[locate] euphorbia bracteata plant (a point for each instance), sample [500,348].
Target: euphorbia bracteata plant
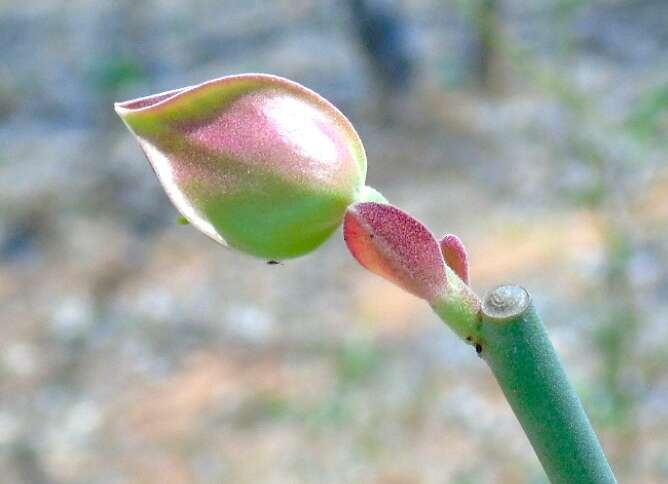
[269,167]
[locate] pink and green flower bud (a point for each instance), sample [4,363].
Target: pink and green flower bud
[398,247]
[256,162]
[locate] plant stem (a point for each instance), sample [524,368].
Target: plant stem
[515,345]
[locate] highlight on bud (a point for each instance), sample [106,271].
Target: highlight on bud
[455,256]
[396,246]
[254,161]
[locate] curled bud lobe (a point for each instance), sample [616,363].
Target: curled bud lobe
[396,246]
[255,161]
[455,256]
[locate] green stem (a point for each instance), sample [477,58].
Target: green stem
[458,307]
[515,345]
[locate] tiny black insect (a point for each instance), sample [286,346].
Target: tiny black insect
[273,262]
[478,348]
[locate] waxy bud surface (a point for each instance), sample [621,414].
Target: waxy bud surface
[256,162]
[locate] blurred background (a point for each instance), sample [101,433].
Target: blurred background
[135,350]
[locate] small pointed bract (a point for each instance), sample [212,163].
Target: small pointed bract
[396,246]
[455,256]
[255,161]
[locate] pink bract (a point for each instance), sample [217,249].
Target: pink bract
[455,256]
[396,246]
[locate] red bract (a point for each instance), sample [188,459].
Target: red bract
[396,246]
[455,256]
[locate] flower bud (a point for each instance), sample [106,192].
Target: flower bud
[256,162]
